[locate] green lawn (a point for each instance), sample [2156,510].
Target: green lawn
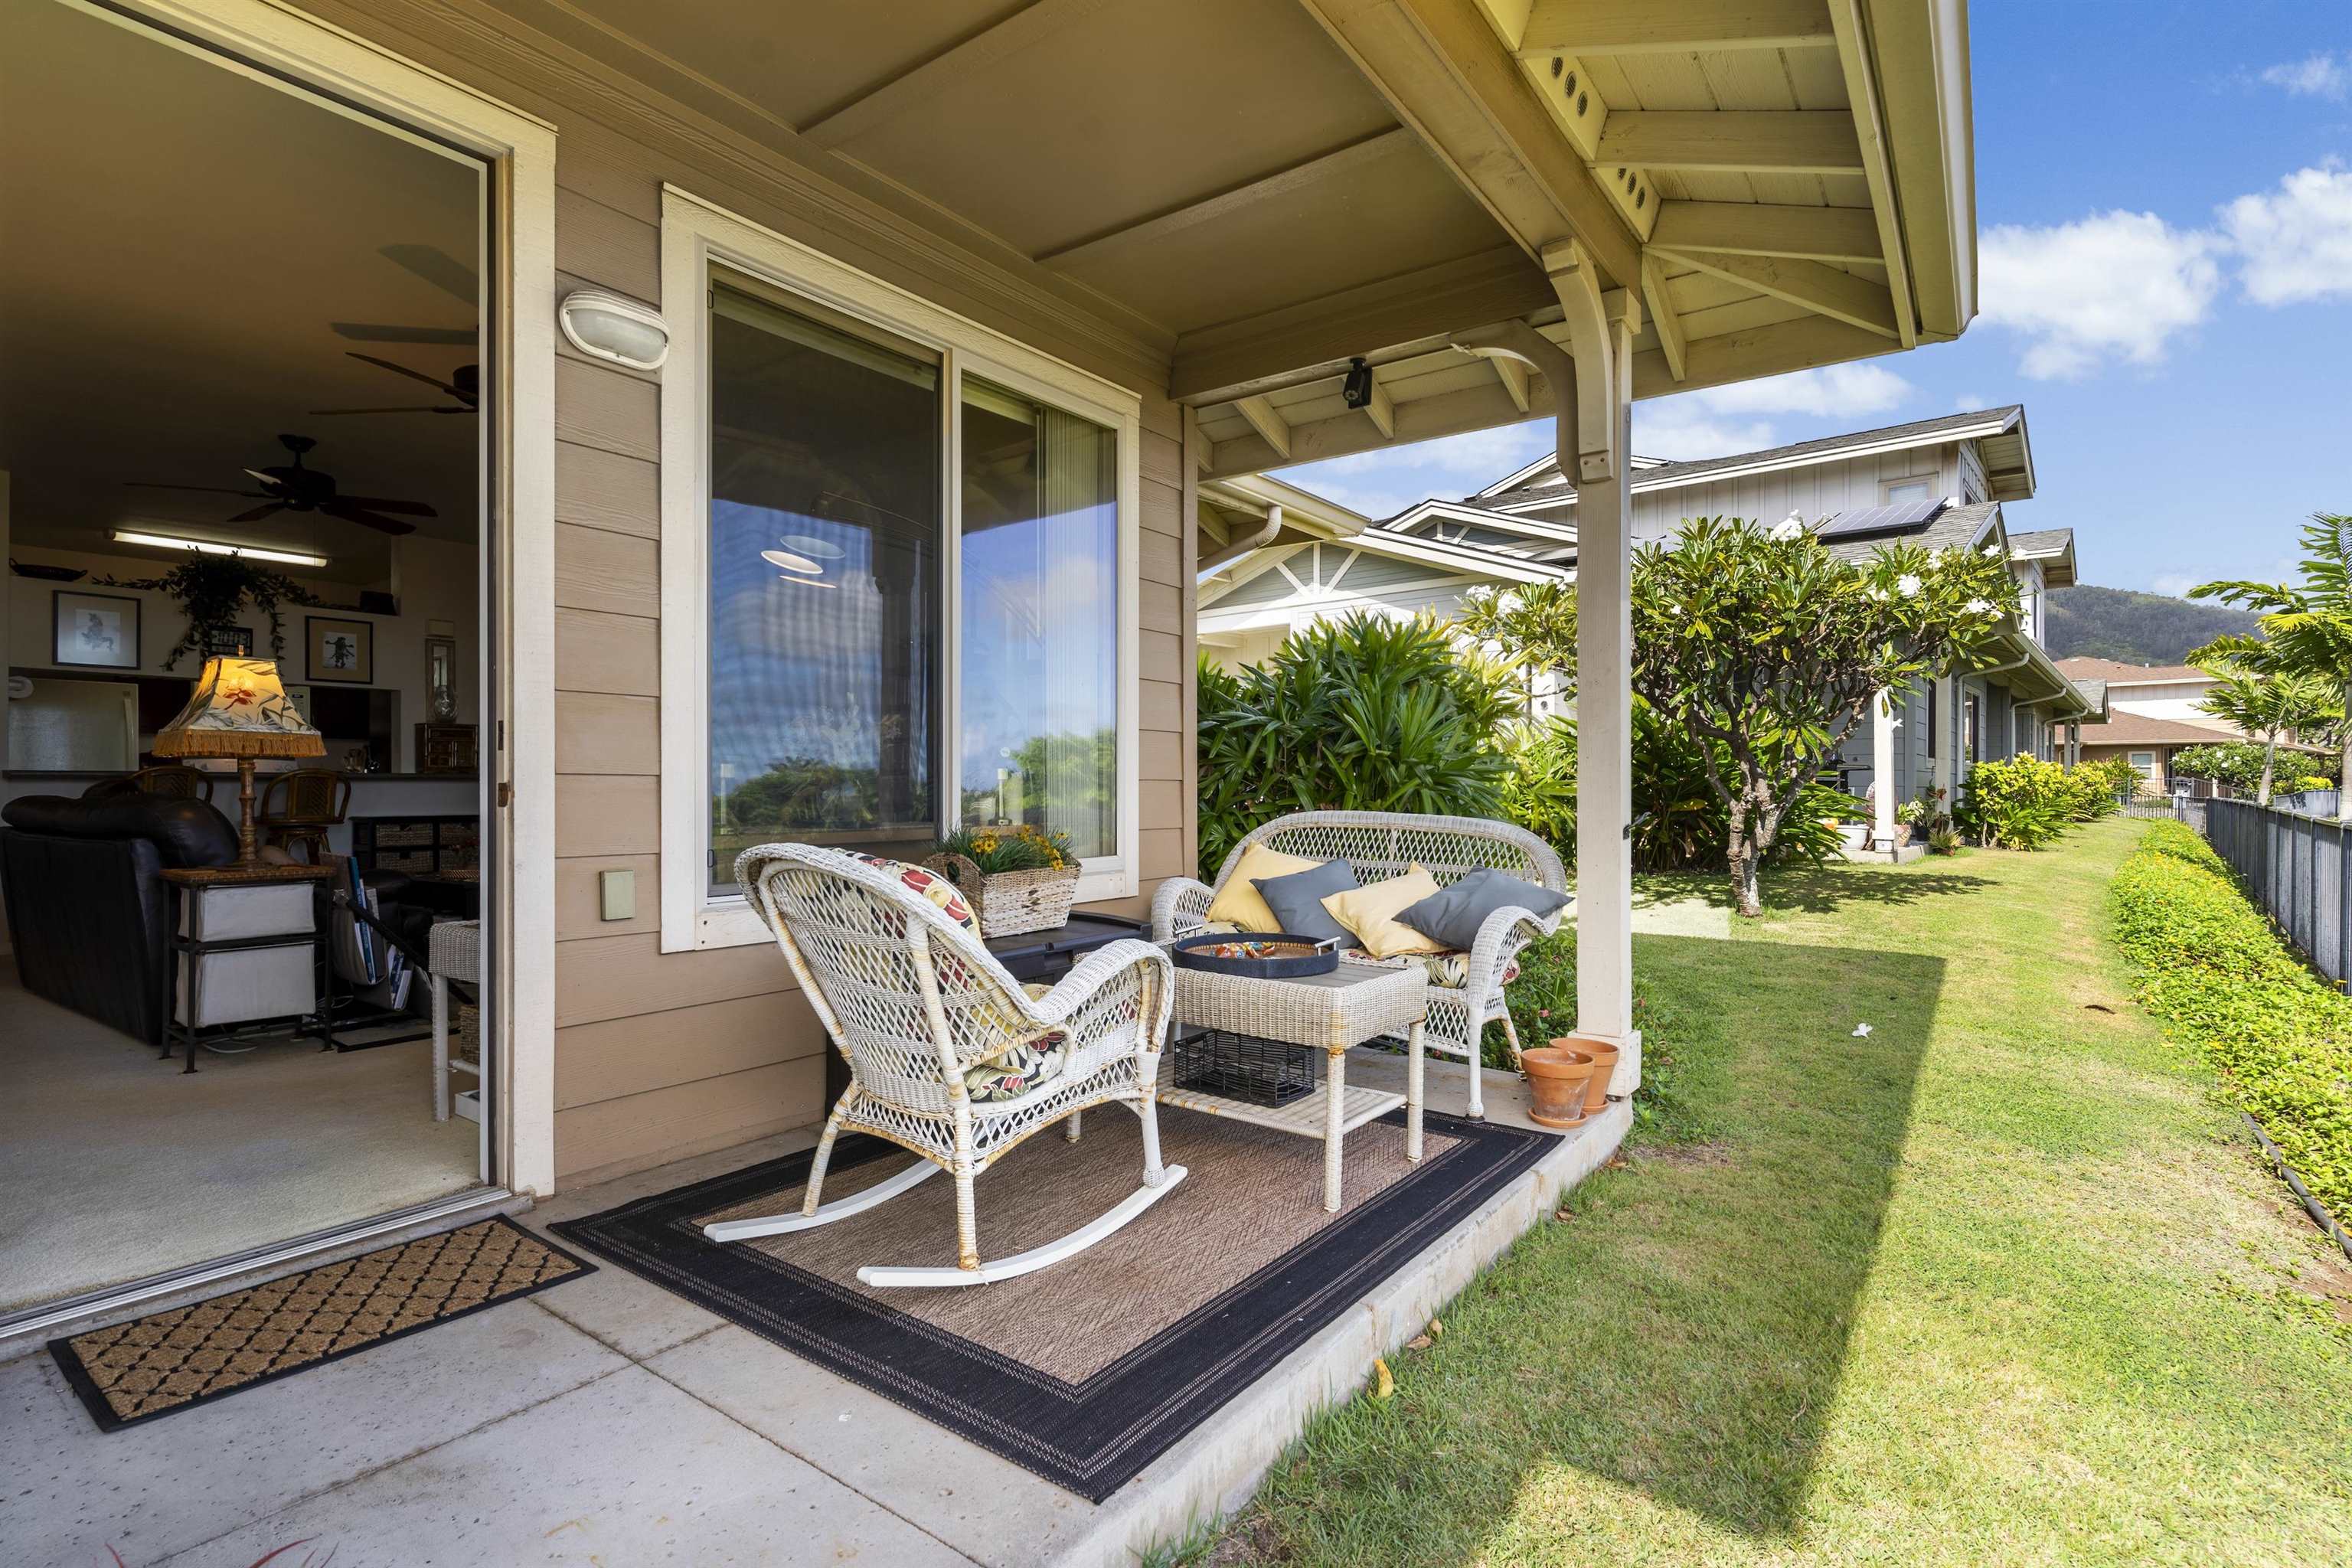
[1997,1284]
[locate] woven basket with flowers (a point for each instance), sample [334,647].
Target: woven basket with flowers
[1018,879]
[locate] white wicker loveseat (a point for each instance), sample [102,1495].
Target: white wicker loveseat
[949,1056]
[1466,990]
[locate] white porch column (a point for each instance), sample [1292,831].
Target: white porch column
[1601,333]
[1882,771]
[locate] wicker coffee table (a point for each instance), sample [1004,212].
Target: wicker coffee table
[1330,1013]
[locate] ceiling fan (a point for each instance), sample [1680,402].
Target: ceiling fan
[464,387]
[290,487]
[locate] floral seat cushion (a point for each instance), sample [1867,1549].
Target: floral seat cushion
[1449,970]
[926,884]
[1021,1067]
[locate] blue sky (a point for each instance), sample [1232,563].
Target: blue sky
[2165,215]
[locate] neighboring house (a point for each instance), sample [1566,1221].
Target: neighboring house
[2154,715]
[1939,482]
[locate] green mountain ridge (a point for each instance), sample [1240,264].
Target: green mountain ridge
[2135,627]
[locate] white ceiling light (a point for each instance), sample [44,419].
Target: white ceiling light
[609,327]
[214,547]
[788,562]
[814,548]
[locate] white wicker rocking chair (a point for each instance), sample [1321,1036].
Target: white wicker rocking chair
[1466,990]
[915,1004]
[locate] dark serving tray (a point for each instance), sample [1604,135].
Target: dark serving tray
[1200,953]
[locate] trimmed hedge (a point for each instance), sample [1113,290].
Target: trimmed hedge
[2212,970]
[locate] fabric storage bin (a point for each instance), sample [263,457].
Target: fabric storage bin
[229,914]
[250,982]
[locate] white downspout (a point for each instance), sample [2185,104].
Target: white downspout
[1234,549]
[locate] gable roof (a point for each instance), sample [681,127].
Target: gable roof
[2012,480]
[1952,527]
[2125,728]
[2053,547]
[2115,672]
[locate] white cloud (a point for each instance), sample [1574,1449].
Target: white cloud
[1836,391]
[1387,479]
[2295,242]
[2317,75]
[2174,583]
[2114,286]
[1679,429]
[1968,401]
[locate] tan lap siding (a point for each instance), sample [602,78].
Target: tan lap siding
[663,1055]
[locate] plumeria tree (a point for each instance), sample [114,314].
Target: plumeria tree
[1533,625]
[2263,698]
[2307,625]
[1769,648]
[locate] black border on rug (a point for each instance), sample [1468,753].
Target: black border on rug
[1090,1437]
[93,1398]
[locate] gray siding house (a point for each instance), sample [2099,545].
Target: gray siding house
[1942,482]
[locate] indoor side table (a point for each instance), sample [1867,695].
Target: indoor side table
[245,943]
[1353,1003]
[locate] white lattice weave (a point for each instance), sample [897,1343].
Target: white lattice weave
[912,1000]
[1379,844]
[1327,1012]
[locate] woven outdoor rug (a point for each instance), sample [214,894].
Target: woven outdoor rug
[174,1361]
[1086,1370]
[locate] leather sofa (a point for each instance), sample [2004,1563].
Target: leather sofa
[88,911]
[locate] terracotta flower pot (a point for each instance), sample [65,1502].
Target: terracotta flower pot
[1604,1064]
[1556,1082]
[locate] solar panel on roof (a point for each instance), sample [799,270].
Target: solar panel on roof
[1895,519]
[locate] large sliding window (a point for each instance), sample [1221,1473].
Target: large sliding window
[899,578]
[824,584]
[1040,618]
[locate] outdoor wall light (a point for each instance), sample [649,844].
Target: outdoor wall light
[609,327]
[1356,392]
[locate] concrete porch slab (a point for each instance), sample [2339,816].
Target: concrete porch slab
[609,1420]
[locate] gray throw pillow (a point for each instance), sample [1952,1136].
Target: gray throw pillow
[1297,900]
[1454,914]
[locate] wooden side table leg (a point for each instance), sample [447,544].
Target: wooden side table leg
[1413,1095]
[1334,1107]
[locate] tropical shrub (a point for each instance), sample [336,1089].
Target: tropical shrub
[2212,970]
[1680,824]
[2020,802]
[1364,714]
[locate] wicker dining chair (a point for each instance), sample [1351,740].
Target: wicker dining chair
[1466,990]
[950,1057]
[300,806]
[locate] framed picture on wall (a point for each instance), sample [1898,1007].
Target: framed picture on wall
[97,630]
[232,641]
[340,649]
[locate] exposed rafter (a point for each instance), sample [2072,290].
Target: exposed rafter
[1513,373]
[1664,318]
[1746,228]
[1382,410]
[1649,27]
[1862,91]
[1840,296]
[1273,188]
[886,100]
[1269,425]
[1739,142]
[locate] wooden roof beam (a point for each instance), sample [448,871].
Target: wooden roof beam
[1654,27]
[1840,295]
[1269,425]
[886,100]
[1277,186]
[1449,78]
[1750,229]
[1391,319]
[1666,322]
[1733,142]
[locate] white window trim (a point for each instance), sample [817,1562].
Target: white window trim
[1887,487]
[694,235]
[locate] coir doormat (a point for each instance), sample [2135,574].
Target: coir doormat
[174,1361]
[1086,1370]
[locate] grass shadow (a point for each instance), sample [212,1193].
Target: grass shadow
[1683,1330]
[1810,889]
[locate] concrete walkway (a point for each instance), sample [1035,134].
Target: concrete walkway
[607,1421]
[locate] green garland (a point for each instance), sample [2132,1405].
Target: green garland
[212,589]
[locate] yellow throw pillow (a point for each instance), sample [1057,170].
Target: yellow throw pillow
[1238,905]
[1371,913]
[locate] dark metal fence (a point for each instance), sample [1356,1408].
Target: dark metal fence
[2299,866]
[2171,808]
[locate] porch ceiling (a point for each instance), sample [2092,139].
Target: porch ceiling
[1271,189]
